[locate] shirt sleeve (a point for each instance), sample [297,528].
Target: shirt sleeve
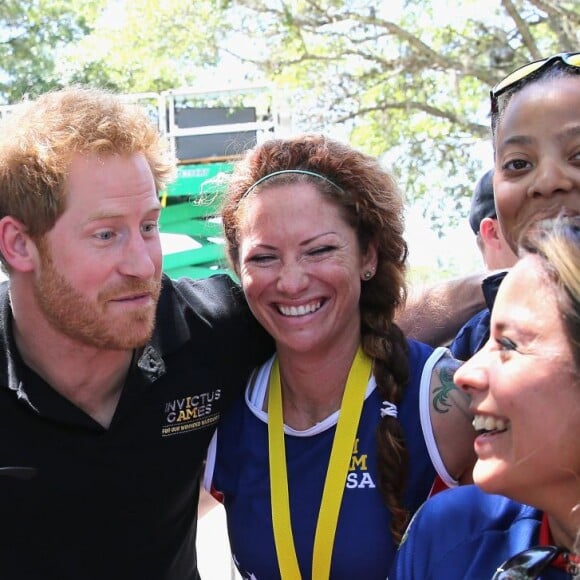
[425,416]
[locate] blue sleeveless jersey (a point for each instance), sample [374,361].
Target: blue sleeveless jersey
[465,533]
[363,545]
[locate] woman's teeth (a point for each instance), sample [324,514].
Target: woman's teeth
[487,423]
[299,310]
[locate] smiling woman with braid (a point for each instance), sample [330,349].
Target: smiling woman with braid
[340,435]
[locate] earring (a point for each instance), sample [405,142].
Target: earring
[367,275]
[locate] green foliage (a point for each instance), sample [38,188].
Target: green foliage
[411,84]
[31,33]
[145,45]
[406,80]
[128,46]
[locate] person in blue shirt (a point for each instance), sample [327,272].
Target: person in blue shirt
[340,435]
[525,390]
[524,515]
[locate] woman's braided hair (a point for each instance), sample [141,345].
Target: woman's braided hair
[372,204]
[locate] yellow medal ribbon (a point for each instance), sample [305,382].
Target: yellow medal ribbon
[338,466]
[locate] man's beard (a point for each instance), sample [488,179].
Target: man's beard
[87,322]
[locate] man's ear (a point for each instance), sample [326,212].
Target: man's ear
[489,231]
[16,245]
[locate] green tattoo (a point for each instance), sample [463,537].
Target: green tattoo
[441,402]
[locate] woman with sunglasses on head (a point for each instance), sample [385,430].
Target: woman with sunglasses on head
[341,434]
[525,383]
[537,126]
[535,119]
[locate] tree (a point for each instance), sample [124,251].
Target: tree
[31,33]
[406,80]
[412,83]
[147,45]
[127,46]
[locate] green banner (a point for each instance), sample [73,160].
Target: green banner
[196,178]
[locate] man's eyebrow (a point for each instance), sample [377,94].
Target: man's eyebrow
[103,215]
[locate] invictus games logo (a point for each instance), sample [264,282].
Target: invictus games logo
[189,413]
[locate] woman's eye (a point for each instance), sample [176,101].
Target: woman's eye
[321,250]
[261,258]
[516,165]
[506,343]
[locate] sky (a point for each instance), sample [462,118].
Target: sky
[426,249]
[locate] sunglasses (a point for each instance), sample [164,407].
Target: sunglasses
[571,59]
[528,564]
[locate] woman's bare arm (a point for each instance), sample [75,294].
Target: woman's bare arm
[451,421]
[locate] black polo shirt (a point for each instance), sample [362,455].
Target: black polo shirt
[95,503]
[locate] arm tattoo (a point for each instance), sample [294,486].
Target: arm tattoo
[441,402]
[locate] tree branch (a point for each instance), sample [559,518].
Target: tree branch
[555,9]
[523,29]
[475,128]
[563,22]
